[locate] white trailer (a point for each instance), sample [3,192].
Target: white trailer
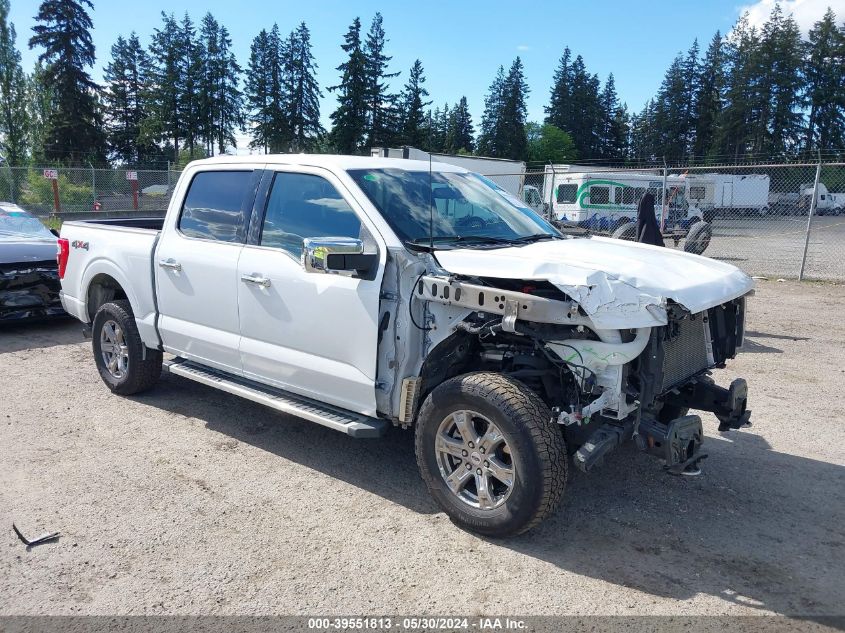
[725,194]
[507,174]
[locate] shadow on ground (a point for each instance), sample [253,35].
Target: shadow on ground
[759,528]
[15,337]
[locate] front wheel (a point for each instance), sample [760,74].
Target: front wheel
[490,454]
[125,364]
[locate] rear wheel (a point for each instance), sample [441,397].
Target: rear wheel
[125,364]
[490,455]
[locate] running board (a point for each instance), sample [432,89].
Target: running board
[353,424]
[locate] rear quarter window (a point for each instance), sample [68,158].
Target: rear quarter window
[217,205]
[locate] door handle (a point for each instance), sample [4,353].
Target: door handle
[170,263]
[257,280]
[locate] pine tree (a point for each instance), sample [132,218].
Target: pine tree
[126,77]
[225,99]
[711,82]
[190,82]
[258,91]
[166,90]
[304,92]
[513,139]
[381,104]
[413,105]
[350,118]
[824,69]
[279,132]
[780,126]
[14,117]
[40,105]
[559,110]
[585,124]
[74,130]
[493,103]
[691,70]
[735,132]
[460,135]
[671,118]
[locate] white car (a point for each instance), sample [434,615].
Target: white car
[362,293]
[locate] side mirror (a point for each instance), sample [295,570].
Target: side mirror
[336,255]
[54,232]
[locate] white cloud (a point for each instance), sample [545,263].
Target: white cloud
[523,47]
[805,12]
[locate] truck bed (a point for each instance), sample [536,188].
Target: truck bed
[129,223]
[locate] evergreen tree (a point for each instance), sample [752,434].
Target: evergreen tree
[559,110]
[126,76]
[708,101]
[460,135]
[734,136]
[280,133]
[671,119]
[413,105]
[824,90]
[691,70]
[258,91]
[304,92]
[488,141]
[513,139]
[350,118]
[381,104]
[585,124]
[223,102]
[74,130]
[14,117]
[781,124]
[191,74]
[165,94]
[40,105]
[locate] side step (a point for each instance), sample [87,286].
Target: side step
[354,424]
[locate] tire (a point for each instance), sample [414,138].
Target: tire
[527,447]
[137,367]
[698,238]
[626,231]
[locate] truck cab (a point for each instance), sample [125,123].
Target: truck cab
[366,293]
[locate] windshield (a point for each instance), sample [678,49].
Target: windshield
[17,224]
[454,207]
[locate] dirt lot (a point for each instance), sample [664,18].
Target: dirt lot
[188,501]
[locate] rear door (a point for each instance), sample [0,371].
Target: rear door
[196,265]
[310,333]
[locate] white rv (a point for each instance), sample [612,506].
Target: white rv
[604,200]
[728,194]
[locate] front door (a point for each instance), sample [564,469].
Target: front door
[196,268]
[310,333]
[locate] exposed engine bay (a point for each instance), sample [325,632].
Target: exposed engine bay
[604,386]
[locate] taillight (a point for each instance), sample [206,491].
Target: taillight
[62,255]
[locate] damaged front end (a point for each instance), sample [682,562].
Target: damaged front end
[605,385]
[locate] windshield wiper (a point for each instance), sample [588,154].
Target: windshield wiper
[454,239]
[535,237]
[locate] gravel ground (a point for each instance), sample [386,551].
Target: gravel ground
[188,501]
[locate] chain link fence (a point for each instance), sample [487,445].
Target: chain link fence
[771,220]
[46,191]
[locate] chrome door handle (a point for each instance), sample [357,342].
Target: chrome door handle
[170,263]
[255,279]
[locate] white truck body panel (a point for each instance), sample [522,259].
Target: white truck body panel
[749,192]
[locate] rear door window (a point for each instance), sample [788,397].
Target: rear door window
[217,205]
[566,194]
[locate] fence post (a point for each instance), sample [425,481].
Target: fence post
[550,212]
[810,220]
[93,185]
[168,175]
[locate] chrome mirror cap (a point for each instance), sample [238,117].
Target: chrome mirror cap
[316,251]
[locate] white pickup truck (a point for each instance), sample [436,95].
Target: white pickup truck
[363,293]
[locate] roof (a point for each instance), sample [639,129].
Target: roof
[335,161]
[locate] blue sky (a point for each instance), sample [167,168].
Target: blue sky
[461,44]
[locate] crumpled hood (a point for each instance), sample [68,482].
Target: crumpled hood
[613,280]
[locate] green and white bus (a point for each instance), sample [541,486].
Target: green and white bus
[603,201]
